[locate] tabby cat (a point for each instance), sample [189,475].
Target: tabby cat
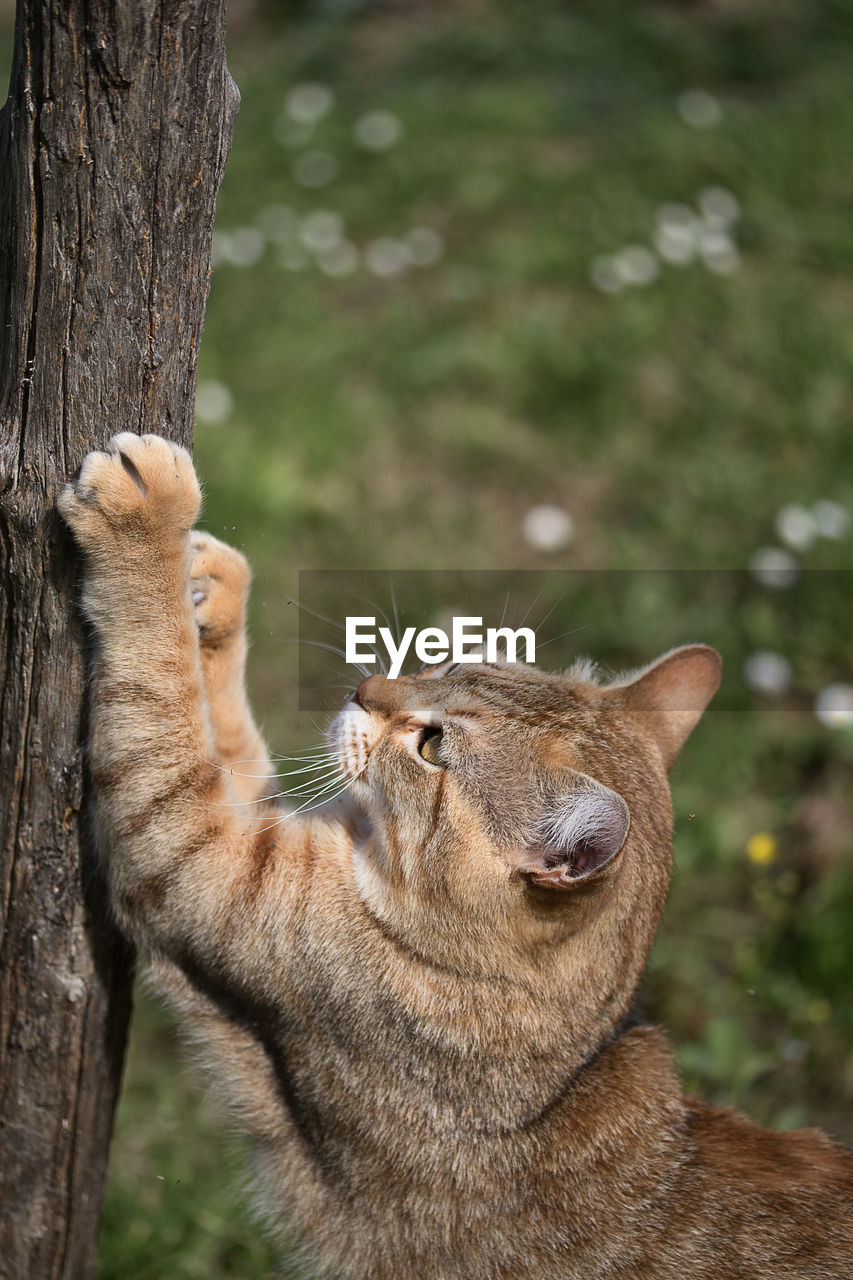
[420,996]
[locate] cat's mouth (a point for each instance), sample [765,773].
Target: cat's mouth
[350,738]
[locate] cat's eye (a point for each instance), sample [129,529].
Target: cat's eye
[429,747]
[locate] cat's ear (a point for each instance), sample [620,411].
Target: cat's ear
[670,695]
[579,835]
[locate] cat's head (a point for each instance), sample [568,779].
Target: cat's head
[517,801]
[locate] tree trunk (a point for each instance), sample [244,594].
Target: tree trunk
[112,146]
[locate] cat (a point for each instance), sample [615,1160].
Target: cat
[420,996]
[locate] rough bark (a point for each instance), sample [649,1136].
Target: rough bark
[112,146]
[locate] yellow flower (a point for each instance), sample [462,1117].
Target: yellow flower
[818,1010]
[762,848]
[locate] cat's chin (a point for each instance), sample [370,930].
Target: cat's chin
[358,821]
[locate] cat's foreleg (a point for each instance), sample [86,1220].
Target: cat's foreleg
[219,580]
[184,869]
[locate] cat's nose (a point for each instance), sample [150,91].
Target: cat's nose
[369,692]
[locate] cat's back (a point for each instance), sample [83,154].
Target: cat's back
[756,1204]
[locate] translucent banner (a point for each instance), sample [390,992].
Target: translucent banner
[785,639]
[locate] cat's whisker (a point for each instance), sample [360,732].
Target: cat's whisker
[227,768]
[572,632]
[373,647]
[257,760]
[340,626]
[310,789]
[309,767]
[316,767]
[305,767]
[349,687]
[360,667]
[342,780]
[312,759]
[303,789]
[333,769]
[330,779]
[331,671]
[308,806]
[378,610]
[555,605]
[321,800]
[320,749]
[397,631]
[335,649]
[306,788]
[304,608]
[323,644]
[530,607]
[383,666]
[303,782]
[314,802]
[317,726]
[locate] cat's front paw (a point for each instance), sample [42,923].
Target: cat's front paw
[219,579]
[142,487]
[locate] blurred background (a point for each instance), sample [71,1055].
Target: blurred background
[553,286]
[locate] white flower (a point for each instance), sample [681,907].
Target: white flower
[673,215]
[767,672]
[831,518]
[424,246]
[773,567]
[340,259]
[277,221]
[246,246]
[834,706]
[377,130]
[605,275]
[386,257]
[315,169]
[676,244]
[719,205]
[220,248]
[699,109]
[676,234]
[548,528]
[796,526]
[309,102]
[321,229]
[636,265]
[213,401]
[719,252]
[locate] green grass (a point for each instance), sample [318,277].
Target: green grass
[410,422]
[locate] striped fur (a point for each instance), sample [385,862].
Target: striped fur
[432,1048]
